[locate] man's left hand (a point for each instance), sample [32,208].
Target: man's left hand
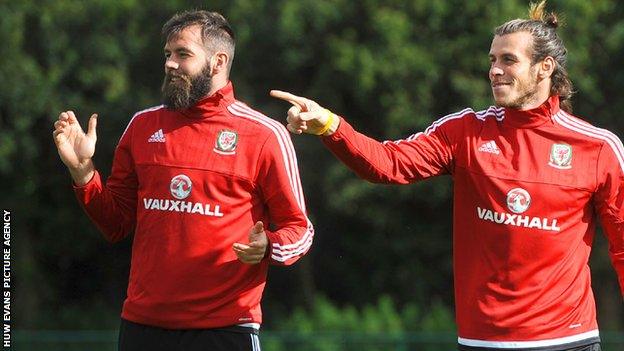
[253,252]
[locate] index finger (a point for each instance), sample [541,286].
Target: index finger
[240,247]
[293,99]
[256,245]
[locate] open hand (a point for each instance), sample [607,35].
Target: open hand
[75,147]
[253,252]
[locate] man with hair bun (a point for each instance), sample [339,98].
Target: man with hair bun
[212,191]
[530,183]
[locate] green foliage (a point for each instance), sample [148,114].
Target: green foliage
[327,327]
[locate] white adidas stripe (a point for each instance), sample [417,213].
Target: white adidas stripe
[286,248]
[290,160]
[572,123]
[255,342]
[282,253]
[497,112]
[291,250]
[284,141]
[441,121]
[137,114]
[283,256]
[491,111]
[617,146]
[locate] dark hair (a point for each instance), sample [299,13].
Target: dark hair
[543,28]
[217,35]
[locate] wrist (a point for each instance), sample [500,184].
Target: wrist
[333,126]
[82,174]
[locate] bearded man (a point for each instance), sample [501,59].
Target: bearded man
[199,179]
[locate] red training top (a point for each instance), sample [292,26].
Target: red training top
[528,189]
[192,183]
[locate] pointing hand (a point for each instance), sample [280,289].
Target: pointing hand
[306,116]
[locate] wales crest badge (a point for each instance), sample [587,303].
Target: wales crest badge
[226,142]
[561,156]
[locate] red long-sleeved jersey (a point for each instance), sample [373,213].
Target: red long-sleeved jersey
[528,188]
[192,183]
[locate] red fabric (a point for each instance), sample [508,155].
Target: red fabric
[527,277]
[184,273]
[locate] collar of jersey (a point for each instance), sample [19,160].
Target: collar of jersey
[213,104]
[534,117]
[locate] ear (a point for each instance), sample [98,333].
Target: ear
[546,67]
[219,63]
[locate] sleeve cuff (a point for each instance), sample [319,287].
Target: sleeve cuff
[94,179]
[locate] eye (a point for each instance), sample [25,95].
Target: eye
[509,59]
[167,54]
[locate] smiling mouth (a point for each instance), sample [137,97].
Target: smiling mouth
[499,84]
[176,78]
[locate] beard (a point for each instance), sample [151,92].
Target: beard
[525,92]
[186,90]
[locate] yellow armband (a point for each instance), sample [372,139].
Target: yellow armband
[330,121]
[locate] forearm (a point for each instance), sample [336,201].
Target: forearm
[113,213]
[367,157]
[333,127]
[404,161]
[83,174]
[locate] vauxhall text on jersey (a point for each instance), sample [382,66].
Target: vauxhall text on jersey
[529,187]
[192,183]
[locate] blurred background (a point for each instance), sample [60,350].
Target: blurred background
[379,275]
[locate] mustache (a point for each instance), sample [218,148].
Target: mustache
[184,77]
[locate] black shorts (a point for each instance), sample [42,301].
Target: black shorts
[592,347]
[139,337]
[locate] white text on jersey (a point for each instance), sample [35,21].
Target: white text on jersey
[518,220]
[182,206]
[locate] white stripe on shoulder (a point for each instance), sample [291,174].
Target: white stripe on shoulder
[290,160]
[570,122]
[282,253]
[492,111]
[155,108]
[452,116]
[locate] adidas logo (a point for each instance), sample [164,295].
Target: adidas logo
[157,137]
[490,147]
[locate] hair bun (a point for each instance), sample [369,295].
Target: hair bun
[551,20]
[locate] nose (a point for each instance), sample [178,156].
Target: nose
[171,64]
[495,71]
